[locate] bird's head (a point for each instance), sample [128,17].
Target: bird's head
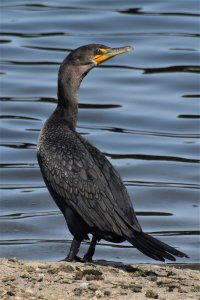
[89,56]
[78,63]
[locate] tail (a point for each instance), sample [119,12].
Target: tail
[154,248]
[149,245]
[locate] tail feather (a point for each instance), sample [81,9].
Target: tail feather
[149,245]
[154,248]
[146,251]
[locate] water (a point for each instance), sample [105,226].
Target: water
[141,109]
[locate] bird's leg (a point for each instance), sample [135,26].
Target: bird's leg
[89,254]
[73,251]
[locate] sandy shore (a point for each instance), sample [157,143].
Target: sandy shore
[61,280]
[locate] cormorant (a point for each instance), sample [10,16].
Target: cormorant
[83,183]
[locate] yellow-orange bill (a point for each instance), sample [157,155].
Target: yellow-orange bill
[106,54]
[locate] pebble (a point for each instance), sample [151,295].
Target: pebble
[99,294]
[40,277]
[69,268]
[84,285]
[151,294]
[107,292]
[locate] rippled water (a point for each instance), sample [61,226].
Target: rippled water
[141,109]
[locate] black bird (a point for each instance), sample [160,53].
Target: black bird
[83,183]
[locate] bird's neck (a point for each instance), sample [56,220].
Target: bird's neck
[68,87]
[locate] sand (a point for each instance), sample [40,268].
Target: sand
[62,280]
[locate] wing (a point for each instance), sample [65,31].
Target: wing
[73,175]
[115,183]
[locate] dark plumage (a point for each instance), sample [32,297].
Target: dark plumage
[85,186]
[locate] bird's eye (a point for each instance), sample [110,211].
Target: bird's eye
[98,52]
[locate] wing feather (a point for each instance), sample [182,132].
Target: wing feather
[115,183]
[70,170]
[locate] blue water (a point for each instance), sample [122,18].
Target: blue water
[141,109]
